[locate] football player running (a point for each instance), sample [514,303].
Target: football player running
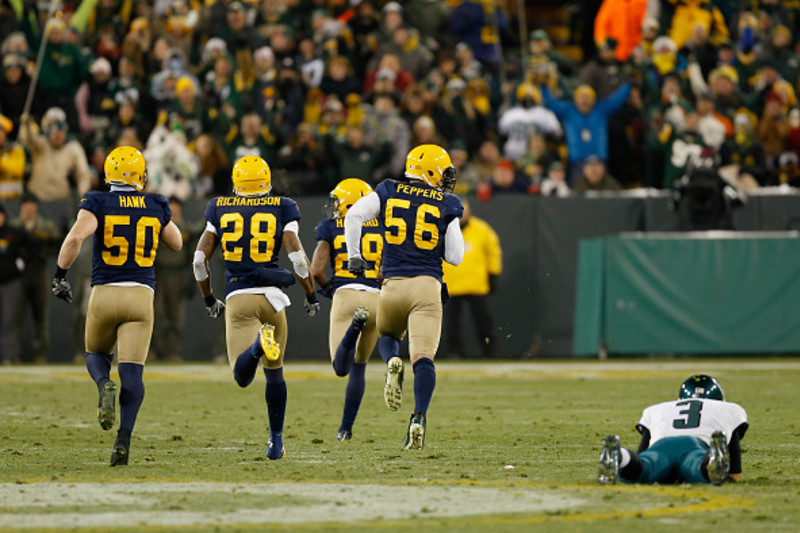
[695,439]
[127,225]
[250,227]
[421,221]
[352,331]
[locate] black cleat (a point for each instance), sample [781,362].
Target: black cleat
[719,459]
[415,436]
[608,467]
[121,451]
[106,404]
[344,434]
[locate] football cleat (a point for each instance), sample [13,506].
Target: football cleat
[121,451]
[608,467]
[270,347]
[393,389]
[415,436]
[360,316]
[275,449]
[719,460]
[106,404]
[344,434]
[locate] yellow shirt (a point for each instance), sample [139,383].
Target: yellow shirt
[482,257]
[12,169]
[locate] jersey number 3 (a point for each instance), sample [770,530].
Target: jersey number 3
[692,414]
[111,241]
[426,234]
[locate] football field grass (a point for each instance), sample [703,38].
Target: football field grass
[511,446]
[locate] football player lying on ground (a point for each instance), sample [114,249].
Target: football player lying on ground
[126,224]
[695,439]
[352,331]
[250,227]
[421,221]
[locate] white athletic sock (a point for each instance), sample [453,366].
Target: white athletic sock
[624,457]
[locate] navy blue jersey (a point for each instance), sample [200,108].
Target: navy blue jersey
[129,225]
[250,232]
[331,230]
[415,217]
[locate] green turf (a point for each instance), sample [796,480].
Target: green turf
[546,420]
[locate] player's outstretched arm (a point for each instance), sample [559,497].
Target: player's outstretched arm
[365,209]
[322,254]
[85,225]
[171,236]
[202,274]
[294,248]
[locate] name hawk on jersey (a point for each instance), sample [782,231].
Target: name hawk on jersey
[132,201]
[419,191]
[371,224]
[238,201]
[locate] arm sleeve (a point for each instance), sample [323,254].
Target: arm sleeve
[453,243]
[735,451]
[645,442]
[616,100]
[362,211]
[556,106]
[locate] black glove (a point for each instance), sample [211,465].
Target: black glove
[311,304]
[213,306]
[356,265]
[60,285]
[62,289]
[326,290]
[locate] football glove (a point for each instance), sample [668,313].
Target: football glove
[213,306]
[311,304]
[62,289]
[356,265]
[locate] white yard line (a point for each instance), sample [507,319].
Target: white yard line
[35,505]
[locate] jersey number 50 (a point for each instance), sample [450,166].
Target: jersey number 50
[262,230]
[426,234]
[122,245]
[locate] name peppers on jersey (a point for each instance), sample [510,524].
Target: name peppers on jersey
[415,217]
[126,240]
[331,230]
[250,232]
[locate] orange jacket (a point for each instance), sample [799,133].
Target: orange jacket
[621,20]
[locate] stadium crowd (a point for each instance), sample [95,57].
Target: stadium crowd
[329,89]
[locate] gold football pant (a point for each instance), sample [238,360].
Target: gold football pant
[121,316]
[244,315]
[344,304]
[414,304]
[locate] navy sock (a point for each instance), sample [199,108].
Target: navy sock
[388,347]
[346,352]
[244,370]
[131,395]
[99,367]
[275,395]
[353,395]
[424,383]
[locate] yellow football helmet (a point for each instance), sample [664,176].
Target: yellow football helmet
[125,166]
[431,164]
[251,176]
[346,193]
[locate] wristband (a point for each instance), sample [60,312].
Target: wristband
[209,300]
[61,273]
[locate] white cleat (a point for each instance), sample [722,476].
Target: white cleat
[393,389]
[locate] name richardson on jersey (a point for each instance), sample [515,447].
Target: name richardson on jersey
[370,224]
[132,201]
[236,201]
[418,191]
